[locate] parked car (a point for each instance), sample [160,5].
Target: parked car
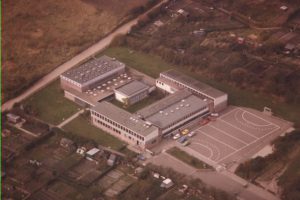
[191,134]
[214,114]
[185,143]
[185,131]
[182,139]
[175,137]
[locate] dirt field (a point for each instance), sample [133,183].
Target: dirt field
[38,36]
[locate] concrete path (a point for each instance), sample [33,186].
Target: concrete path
[224,180]
[83,56]
[26,131]
[70,118]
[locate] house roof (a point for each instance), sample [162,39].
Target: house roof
[124,118]
[132,88]
[290,46]
[93,151]
[93,69]
[176,111]
[192,83]
[163,103]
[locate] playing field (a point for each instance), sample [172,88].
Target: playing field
[236,135]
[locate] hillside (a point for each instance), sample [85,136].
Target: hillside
[39,35]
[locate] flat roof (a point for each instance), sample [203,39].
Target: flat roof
[93,151]
[124,118]
[132,88]
[92,69]
[195,84]
[175,110]
[163,103]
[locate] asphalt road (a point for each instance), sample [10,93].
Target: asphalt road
[221,180]
[102,44]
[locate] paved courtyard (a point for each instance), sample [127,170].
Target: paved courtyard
[235,136]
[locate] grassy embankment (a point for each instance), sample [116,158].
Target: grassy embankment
[50,105]
[185,157]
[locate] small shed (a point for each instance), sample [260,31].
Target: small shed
[112,160]
[183,12]
[67,144]
[167,183]
[13,118]
[158,23]
[284,8]
[81,150]
[92,152]
[200,32]
[289,48]
[139,170]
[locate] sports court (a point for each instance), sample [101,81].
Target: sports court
[237,134]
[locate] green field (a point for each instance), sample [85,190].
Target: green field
[50,105]
[185,157]
[152,65]
[153,97]
[81,126]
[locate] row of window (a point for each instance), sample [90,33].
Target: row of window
[159,82]
[71,81]
[108,126]
[187,87]
[187,116]
[118,126]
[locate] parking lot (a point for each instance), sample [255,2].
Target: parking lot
[236,135]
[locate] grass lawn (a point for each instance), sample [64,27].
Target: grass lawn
[81,126]
[185,157]
[50,104]
[153,97]
[152,65]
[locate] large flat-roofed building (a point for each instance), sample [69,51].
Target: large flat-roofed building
[132,92]
[172,81]
[124,125]
[174,111]
[91,73]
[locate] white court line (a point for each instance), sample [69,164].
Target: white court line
[228,113]
[218,140]
[224,132]
[206,147]
[239,129]
[202,157]
[248,125]
[252,123]
[212,147]
[270,123]
[259,117]
[248,144]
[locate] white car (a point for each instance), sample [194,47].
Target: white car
[175,137]
[214,114]
[191,134]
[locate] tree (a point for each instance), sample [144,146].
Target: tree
[238,75]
